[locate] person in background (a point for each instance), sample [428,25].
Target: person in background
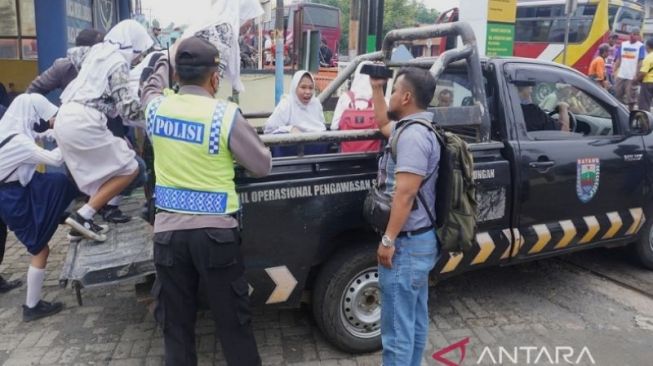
[628,61]
[268,48]
[31,203]
[445,98]
[326,55]
[156,33]
[609,59]
[645,77]
[4,97]
[597,67]
[12,93]
[535,117]
[65,69]
[102,165]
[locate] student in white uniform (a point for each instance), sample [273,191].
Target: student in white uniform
[102,165]
[32,203]
[299,111]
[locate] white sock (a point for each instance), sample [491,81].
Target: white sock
[34,286]
[86,212]
[115,201]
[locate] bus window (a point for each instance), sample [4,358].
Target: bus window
[628,20]
[321,17]
[532,30]
[612,12]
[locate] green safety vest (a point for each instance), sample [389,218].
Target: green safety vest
[193,164]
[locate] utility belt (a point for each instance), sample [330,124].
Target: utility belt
[423,230]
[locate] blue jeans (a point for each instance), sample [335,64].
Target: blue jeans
[404,299]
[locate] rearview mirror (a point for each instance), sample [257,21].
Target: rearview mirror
[640,122]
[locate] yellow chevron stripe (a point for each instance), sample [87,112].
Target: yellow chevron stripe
[593,228]
[637,214]
[642,222]
[543,238]
[486,243]
[615,225]
[519,242]
[452,263]
[570,232]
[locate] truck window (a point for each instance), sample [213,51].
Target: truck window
[540,103]
[453,90]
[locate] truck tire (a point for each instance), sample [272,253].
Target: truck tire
[347,300]
[644,245]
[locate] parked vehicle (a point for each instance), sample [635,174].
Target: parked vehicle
[541,194]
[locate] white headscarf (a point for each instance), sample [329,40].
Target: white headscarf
[122,44]
[362,90]
[291,112]
[23,113]
[221,27]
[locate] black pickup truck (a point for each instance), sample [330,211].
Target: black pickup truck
[541,193]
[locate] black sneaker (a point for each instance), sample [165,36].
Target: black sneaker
[86,227]
[41,310]
[6,286]
[113,214]
[75,236]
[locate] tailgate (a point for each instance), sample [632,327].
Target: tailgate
[126,255]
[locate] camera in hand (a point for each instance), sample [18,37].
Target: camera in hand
[376,71]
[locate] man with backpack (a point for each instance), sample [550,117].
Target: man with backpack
[408,172]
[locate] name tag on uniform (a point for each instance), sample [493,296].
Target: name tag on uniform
[176,129]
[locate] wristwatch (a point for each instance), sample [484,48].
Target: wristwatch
[387,242]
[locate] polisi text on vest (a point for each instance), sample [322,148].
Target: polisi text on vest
[192,132]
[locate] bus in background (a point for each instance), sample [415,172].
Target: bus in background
[540,28]
[305,17]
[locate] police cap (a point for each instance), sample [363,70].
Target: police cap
[195,51]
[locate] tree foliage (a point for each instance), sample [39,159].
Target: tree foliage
[396,14]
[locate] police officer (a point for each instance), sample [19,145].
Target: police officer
[196,139]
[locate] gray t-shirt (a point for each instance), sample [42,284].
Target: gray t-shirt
[418,152]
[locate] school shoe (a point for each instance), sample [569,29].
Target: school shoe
[113,214]
[87,228]
[41,310]
[6,286]
[75,236]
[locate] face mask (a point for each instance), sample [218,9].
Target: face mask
[41,126]
[525,101]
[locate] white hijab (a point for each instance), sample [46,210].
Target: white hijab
[23,113]
[221,27]
[121,45]
[362,90]
[291,112]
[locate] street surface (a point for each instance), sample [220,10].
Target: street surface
[600,300]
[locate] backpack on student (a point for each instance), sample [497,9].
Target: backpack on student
[358,119]
[455,192]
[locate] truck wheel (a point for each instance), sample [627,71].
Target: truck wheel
[644,246]
[347,300]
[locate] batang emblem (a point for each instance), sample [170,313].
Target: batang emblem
[588,172]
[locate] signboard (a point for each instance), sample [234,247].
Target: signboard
[79,16]
[503,11]
[500,39]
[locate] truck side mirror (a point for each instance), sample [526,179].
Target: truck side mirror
[640,122]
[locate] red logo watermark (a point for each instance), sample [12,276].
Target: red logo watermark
[461,345]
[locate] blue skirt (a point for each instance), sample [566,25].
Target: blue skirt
[34,212]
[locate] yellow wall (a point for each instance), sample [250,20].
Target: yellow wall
[21,73]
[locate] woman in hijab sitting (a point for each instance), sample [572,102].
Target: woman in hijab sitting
[32,203]
[102,165]
[299,111]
